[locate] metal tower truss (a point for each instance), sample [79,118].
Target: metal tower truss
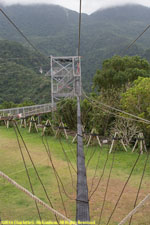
[65,77]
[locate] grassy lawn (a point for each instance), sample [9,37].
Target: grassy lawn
[14,205]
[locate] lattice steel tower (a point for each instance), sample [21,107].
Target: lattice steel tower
[65,77]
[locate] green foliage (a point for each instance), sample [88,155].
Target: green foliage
[136,100]
[26,103]
[123,81]
[86,114]
[119,72]
[20,80]
[7,105]
[92,116]
[66,112]
[15,52]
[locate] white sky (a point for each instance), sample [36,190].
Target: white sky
[88,5]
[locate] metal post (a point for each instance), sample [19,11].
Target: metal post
[74,92]
[80,81]
[52,88]
[52,96]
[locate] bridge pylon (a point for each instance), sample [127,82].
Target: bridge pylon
[65,77]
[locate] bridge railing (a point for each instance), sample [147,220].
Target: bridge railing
[27,110]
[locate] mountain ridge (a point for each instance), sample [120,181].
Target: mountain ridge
[5,5]
[120,6]
[54,31]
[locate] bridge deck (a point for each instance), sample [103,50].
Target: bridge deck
[27,110]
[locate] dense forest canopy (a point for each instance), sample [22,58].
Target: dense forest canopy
[20,79]
[119,72]
[54,30]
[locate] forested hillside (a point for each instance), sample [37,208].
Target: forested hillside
[20,79]
[54,31]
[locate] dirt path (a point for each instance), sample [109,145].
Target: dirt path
[125,204]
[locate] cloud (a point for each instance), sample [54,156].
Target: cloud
[89,6]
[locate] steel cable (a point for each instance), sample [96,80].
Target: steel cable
[89,160]
[66,156]
[19,31]
[145,165]
[24,162]
[29,194]
[124,188]
[132,43]
[96,168]
[118,110]
[56,173]
[68,163]
[99,181]
[49,156]
[106,190]
[34,166]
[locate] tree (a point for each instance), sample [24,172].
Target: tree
[66,112]
[26,103]
[86,114]
[136,100]
[126,129]
[20,79]
[7,105]
[119,72]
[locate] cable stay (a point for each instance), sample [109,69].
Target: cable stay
[132,43]
[118,200]
[146,199]
[57,176]
[29,179]
[29,194]
[97,103]
[17,132]
[22,34]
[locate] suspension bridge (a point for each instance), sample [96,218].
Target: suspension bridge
[65,75]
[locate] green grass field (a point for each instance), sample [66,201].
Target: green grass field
[15,205]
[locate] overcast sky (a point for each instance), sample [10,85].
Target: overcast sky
[88,5]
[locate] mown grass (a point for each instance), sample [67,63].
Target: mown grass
[11,163]
[15,205]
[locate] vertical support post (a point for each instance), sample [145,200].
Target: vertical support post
[80,91]
[39,119]
[78,78]
[52,88]
[82,202]
[73,66]
[52,96]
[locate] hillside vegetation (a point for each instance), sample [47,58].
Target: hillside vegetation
[20,79]
[54,30]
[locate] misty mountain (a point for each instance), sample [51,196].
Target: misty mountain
[54,30]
